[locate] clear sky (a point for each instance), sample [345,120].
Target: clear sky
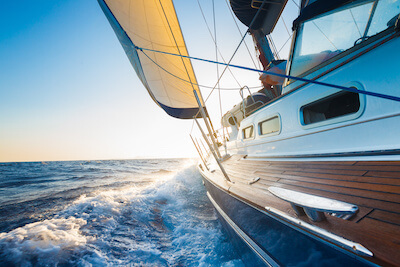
[68,92]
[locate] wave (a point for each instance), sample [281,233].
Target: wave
[165,221]
[40,242]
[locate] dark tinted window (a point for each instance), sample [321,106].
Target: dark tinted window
[330,107]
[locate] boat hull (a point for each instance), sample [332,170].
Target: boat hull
[263,239]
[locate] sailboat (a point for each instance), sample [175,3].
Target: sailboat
[306,171]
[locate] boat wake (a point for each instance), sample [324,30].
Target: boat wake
[168,221]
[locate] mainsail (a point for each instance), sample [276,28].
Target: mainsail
[153,24]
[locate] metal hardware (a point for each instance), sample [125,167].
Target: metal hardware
[314,206]
[397,24]
[254,180]
[201,151]
[315,216]
[350,245]
[263,45]
[371,15]
[242,95]
[298,210]
[212,151]
[203,114]
[205,149]
[198,151]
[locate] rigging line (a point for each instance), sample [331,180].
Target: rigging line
[326,37]
[237,48]
[204,86]
[318,28]
[353,90]
[269,38]
[352,15]
[214,41]
[290,37]
[287,29]
[296,4]
[191,130]
[176,43]
[216,56]
[240,32]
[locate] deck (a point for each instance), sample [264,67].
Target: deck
[374,186]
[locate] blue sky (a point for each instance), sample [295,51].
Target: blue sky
[67,90]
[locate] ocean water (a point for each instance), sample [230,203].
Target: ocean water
[116,212]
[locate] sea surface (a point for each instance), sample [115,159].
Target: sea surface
[151,212]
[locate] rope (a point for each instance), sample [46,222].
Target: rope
[290,37]
[216,57]
[200,85]
[240,32]
[353,90]
[237,48]
[214,41]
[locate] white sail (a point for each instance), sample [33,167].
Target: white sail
[153,24]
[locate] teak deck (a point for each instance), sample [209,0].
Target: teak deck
[373,186]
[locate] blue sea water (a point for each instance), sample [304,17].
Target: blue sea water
[117,212]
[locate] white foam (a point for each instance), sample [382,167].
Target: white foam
[48,238]
[158,223]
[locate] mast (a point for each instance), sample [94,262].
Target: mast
[261,17]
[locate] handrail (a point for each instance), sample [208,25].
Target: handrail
[242,95]
[338,240]
[217,159]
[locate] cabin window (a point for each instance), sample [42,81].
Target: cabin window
[271,125]
[333,106]
[248,132]
[326,36]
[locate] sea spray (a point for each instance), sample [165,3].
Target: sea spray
[160,216]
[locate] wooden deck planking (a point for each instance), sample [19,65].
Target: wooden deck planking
[300,162]
[388,217]
[337,169]
[373,191]
[382,188]
[374,188]
[383,174]
[359,201]
[390,198]
[315,165]
[327,169]
[365,200]
[348,178]
[263,184]
[378,163]
[356,166]
[386,235]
